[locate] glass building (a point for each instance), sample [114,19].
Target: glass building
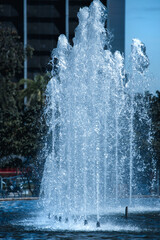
[40,22]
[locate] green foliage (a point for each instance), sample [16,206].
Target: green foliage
[143,140]
[21,127]
[11,64]
[35,89]
[12,53]
[10,49]
[20,132]
[155,113]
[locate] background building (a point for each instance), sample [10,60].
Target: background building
[40,22]
[116,23]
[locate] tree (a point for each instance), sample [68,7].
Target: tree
[155,111]
[35,91]
[21,128]
[11,64]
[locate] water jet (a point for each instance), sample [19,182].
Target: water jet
[93,152]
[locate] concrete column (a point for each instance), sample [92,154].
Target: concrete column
[1,183]
[25,42]
[67,19]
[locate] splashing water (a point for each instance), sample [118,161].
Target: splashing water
[97,119]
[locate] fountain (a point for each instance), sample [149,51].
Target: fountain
[99,136]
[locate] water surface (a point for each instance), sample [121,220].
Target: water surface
[25,220]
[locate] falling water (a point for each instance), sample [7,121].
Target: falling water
[95,109]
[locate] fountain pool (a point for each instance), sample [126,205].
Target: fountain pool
[26,220]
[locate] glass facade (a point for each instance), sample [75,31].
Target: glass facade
[40,22]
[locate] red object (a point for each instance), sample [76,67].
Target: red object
[8,172]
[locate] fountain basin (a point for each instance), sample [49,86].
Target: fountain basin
[25,220]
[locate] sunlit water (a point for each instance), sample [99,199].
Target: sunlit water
[98,148]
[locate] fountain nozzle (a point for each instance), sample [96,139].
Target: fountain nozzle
[98,224]
[85,222]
